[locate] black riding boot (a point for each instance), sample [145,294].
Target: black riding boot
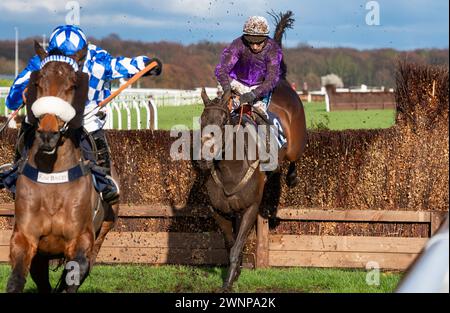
[111,192]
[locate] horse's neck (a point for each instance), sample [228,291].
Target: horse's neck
[65,157]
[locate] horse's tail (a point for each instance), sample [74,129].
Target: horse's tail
[282,21]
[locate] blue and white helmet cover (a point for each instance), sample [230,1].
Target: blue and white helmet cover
[69,39]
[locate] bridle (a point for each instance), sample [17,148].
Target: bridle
[75,66]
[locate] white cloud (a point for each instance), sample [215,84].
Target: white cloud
[102,20]
[108,20]
[27,6]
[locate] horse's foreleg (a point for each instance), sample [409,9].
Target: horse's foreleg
[105,228]
[39,273]
[78,254]
[247,222]
[110,220]
[226,226]
[22,251]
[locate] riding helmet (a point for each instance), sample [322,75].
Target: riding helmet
[256,29]
[69,39]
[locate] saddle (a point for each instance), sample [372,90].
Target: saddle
[258,117]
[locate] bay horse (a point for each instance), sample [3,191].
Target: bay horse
[58,213]
[235,187]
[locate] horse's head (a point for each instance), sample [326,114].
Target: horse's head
[60,92]
[214,117]
[215,113]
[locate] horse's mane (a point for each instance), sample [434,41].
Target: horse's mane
[282,21]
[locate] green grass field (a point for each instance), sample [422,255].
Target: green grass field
[6,82]
[168,278]
[316,117]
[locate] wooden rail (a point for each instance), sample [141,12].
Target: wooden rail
[343,251]
[271,249]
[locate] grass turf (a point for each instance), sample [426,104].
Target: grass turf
[315,112]
[316,117]
[172,278]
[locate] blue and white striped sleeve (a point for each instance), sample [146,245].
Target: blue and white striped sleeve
[14,99]
[122,67]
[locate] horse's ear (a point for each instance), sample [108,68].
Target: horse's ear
[226,97]
[31,96]
[205,97]
[80,55]
[39,50]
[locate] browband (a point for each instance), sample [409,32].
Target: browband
[60,58]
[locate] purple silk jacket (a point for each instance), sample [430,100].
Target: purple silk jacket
[239,63]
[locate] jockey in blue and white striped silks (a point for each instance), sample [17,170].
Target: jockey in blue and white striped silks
[99,64]
[102,68]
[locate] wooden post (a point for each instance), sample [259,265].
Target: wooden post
[436,220]
[262,242]
[152,115]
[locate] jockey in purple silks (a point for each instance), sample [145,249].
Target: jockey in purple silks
[251,65]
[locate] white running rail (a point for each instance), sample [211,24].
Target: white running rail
[137,108]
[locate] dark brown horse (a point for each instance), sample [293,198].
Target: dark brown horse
[55,197]
[235,186]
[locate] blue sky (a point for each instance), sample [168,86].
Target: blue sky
[404,24]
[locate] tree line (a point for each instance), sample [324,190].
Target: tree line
[191,66]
